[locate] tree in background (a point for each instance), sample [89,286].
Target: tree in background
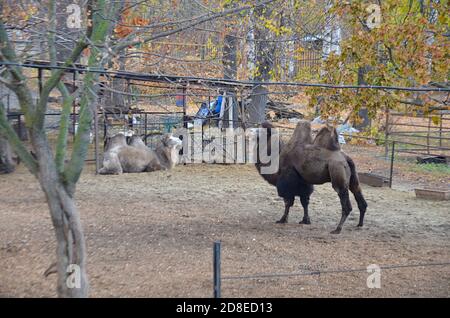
[406,45]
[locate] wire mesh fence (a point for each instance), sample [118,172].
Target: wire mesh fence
[174,101]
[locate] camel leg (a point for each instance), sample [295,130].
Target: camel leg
[362,204]
[288,202]
[304,199]
[346,208]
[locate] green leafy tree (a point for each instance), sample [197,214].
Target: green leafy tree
[407,45]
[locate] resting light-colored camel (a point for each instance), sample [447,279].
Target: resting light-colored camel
[137,157]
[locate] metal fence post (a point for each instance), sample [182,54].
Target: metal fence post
[392,164]
[216,264]
[145,128]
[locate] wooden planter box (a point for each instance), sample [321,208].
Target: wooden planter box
[433,194]
[373,179]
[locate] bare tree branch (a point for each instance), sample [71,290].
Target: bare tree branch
[207,17]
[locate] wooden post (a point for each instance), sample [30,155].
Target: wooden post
[257,107]
[242,119]
[129,95]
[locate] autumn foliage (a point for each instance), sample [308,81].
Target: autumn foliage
[408,48]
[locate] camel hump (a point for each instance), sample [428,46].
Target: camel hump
[116,141]
[302,133]
[327,137]
[136,141]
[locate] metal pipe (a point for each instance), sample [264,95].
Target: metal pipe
[216,264]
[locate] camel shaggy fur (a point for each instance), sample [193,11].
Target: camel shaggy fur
[304,163]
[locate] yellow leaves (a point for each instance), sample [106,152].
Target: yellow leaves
[212,48]
[271,25]
[435,119]
[401,52]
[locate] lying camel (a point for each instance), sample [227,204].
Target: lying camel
[303,163]
[137,157]
[120,157]
[138,143]
[167,151]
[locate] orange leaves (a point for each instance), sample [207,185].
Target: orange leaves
[129,24]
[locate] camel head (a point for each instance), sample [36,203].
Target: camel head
[118,140]
[169,141]
[265,151]
[269,128]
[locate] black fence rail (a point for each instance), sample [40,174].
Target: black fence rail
[218,278]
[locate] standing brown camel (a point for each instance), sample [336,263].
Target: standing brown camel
[304,163]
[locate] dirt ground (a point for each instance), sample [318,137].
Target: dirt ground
[151,235]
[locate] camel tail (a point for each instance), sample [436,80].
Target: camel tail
[354,181]
[356,190]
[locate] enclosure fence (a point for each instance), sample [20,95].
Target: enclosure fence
[185,91]
[218,278]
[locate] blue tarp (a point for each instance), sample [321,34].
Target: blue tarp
[218,105]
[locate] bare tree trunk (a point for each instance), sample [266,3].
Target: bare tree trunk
[71,253]
[264,47]
[251,53]
[229,59]
[70,250]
